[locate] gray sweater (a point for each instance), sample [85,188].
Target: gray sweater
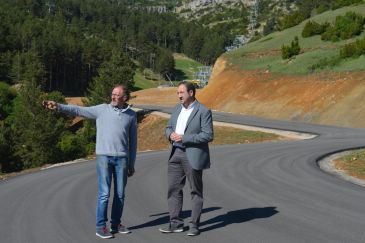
[116,129]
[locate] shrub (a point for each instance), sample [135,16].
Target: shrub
[72,146]
[353,49]
[313,28]
[345,27]
[292,50]
[325,62]
[7,95]
[291,20]
[348,50]
[360,46]
[330,34]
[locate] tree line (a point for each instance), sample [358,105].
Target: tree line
[71,39]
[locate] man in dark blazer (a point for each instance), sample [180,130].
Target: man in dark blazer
[189,130]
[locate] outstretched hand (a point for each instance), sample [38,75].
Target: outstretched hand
[49,104]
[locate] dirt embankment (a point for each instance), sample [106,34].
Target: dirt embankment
[156,96]
[326,98]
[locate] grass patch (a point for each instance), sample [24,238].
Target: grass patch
[266,39]
[229,135]
[140,82]
[185,67]
[151,134]
[353,163]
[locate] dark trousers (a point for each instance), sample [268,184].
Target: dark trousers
[178,170]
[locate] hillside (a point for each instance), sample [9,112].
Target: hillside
[254,80]
[266,52]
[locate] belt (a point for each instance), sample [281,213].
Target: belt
[178,147]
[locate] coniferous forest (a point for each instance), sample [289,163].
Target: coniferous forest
[49,49]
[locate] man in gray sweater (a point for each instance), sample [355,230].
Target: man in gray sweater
[116,145]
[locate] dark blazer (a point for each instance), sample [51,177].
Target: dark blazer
[198,133]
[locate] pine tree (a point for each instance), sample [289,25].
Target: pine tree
[165,63]
[34,131]
[118,70]
[7,95]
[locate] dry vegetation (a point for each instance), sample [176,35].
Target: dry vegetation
[151,136]
[352,164]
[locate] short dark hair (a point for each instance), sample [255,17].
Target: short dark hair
[189,86]
[126,91]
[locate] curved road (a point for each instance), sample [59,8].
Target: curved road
[267,192]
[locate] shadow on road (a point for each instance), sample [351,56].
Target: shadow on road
[165,219]
[232,217]
[237,217]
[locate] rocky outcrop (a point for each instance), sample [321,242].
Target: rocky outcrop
[189,8]
[199,4]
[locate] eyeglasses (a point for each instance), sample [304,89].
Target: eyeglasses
[117,95]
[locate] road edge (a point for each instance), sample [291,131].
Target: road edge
[327,164]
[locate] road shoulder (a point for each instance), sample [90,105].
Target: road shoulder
[327,165]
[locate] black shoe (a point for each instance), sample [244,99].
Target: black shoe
[172,228]
[120,229]
[193,230]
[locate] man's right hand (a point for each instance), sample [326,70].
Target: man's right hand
[175,137]
[50,104]
[131,171]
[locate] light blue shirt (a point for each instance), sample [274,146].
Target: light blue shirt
[116,129]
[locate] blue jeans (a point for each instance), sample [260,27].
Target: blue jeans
[108,167]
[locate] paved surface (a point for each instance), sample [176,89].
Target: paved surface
[267,192]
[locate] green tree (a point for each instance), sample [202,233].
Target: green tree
[118,70]
[7,95]
[193,43]
[6,60]
[165,63]
[27,66]
[32,6]
[73,146]
[35,131]
[211,49]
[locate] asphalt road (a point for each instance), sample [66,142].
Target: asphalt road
[267,192]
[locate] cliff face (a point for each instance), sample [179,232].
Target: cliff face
[200,4]
[198,8]
[326,98]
